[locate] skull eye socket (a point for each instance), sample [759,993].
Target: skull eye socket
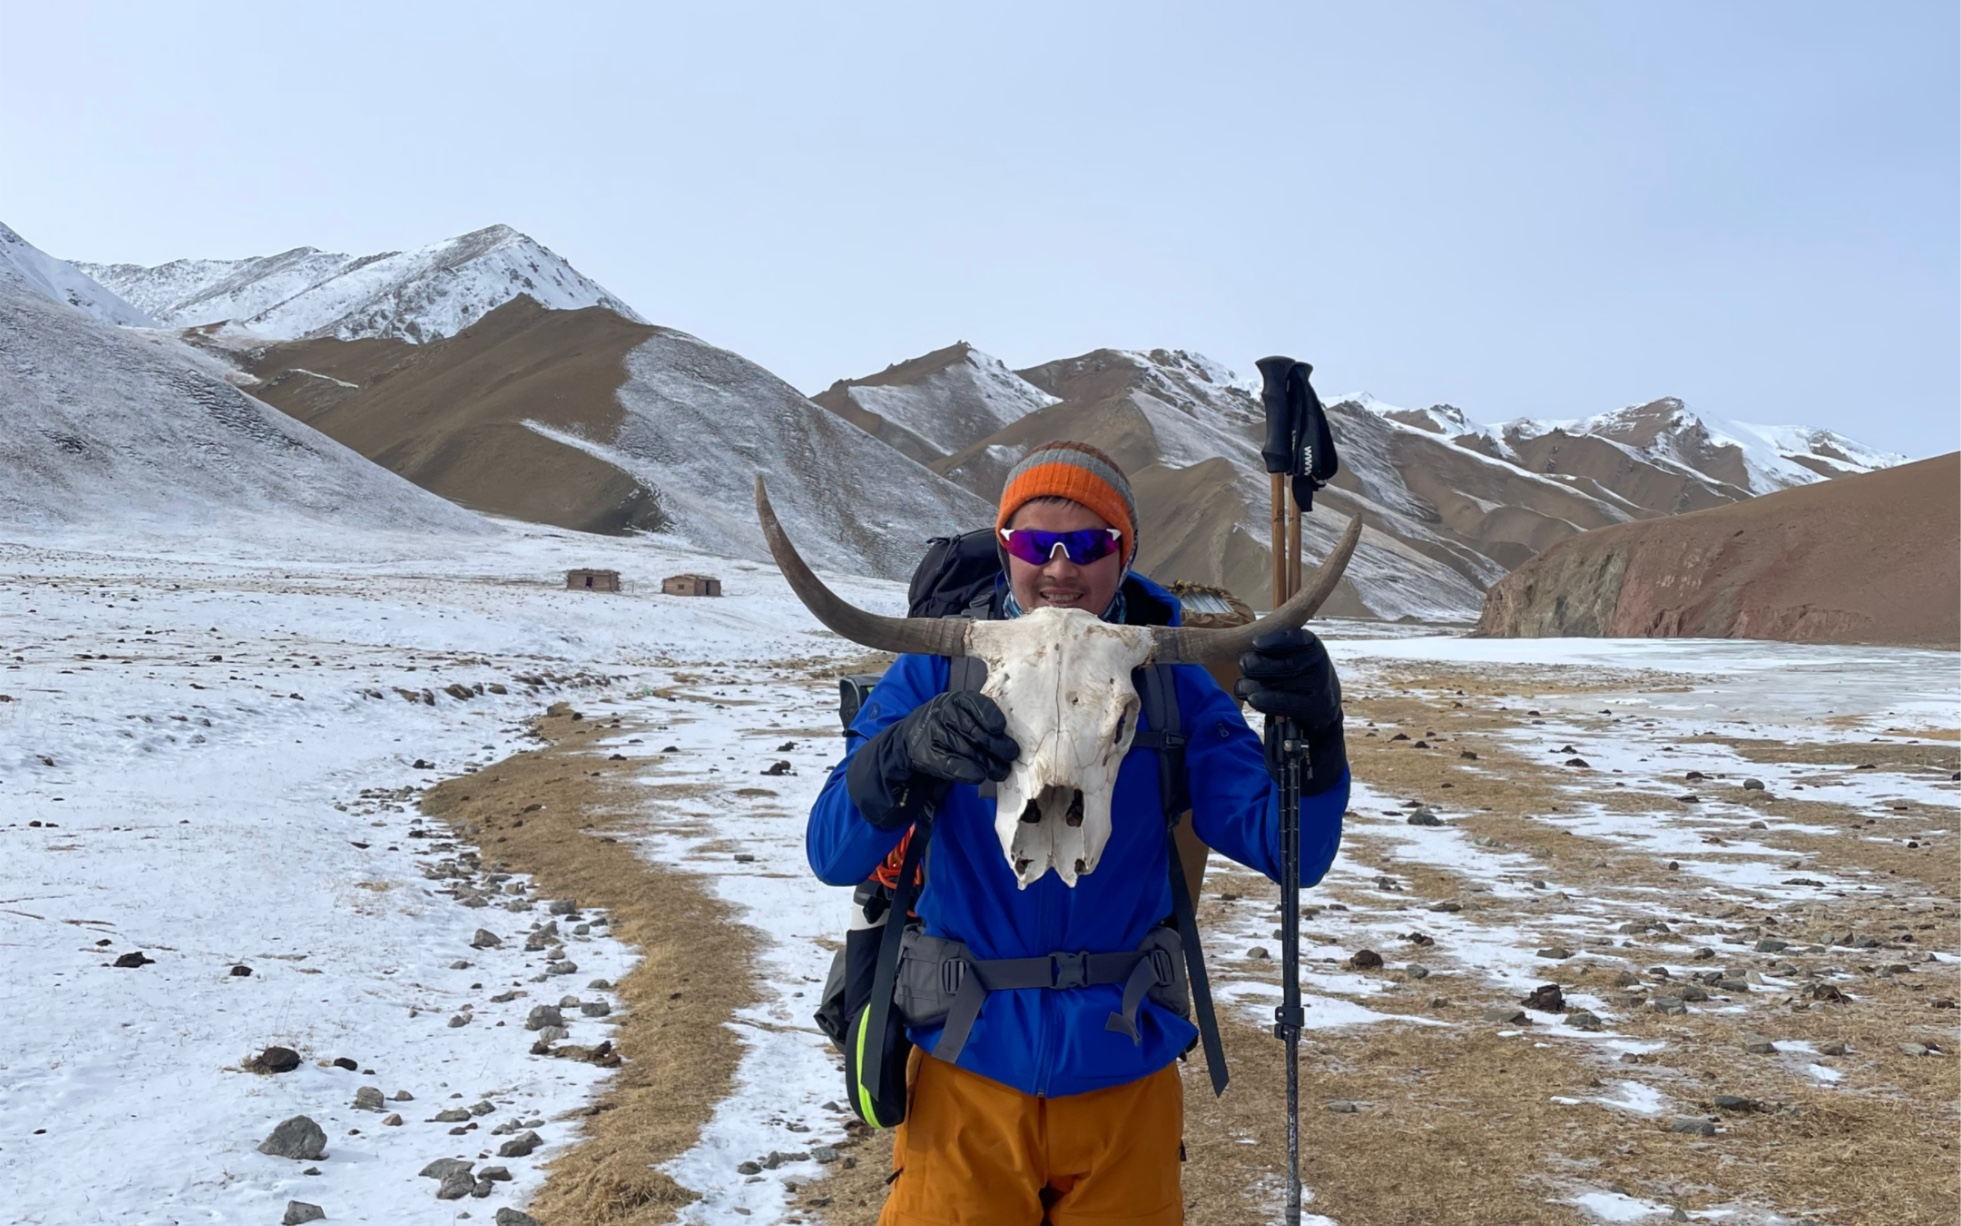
[1118,739]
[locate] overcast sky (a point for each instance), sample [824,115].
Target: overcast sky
[1547,209]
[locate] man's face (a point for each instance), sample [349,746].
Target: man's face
[1061,584]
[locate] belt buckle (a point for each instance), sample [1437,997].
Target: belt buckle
[1068,970]
[1164,971]
[953,972]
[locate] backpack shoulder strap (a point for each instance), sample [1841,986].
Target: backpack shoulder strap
[1159,691]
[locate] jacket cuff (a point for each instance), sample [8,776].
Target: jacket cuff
[881,785]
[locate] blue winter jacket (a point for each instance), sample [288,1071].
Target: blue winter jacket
[1053,1042]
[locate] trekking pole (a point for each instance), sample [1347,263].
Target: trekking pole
[1283,458]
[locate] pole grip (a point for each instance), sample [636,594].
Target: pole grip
[1277,453]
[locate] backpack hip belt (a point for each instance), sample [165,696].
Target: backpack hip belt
[940,981]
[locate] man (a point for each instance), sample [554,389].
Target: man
[1048,1114]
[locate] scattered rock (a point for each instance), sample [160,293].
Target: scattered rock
[368,1098]
[1582,1019]
[749,1168]
[1467,755]
[512,1217]
[563,906]
[1757,1045]
[298,1211]
[1416,970]
[486,939]
[403,1096]
[1915,1049]
[520,1146]
[1694,1125]
[1558,953]
[1753,785]
[1341,1106]
[1733,1102]
[595,1008]
[1576,762]
[1447,907]
[1423,817]
[1828,993]
[1546,998]
[456,1185]
[451,1115]
[1771,945]
[298,1138]
[542,1016]
[1507,1015]
[392,1120]
[779,767]
[824,1154]
[346,1063]
[1668,1004]
[561,968]
[496,1174]
[133,959]
[242,971]
[1258,953]
[273,1060]
[1835,1047]
[1366,960]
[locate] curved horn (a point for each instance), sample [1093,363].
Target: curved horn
[1179,645]
[931,636]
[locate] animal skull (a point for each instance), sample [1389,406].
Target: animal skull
[1062,680]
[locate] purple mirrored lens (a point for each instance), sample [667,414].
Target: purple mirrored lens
[1037,548]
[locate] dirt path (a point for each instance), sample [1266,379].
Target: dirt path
[551,814]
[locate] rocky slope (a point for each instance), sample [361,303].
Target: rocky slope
[118,431]
[936,404]
[1870,558]
[1450,505]
[589,420]
[419,295]
[30,270]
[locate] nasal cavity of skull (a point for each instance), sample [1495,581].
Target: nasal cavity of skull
[1075,815]
[1031,812]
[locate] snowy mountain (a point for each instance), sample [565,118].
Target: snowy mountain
[936,404]
[1450,504]
[111,430]
[417,296]
[28,268]
[1751,458]
[1188,431]
[587,420]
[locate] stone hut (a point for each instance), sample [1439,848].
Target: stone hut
[593,580]
[691,585]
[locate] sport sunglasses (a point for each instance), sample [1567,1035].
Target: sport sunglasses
[1038,548]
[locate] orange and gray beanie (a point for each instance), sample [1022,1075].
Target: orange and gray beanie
[1080,473]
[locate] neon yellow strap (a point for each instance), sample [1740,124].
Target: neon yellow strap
[865,1107]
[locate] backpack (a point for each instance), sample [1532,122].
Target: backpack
[958,576]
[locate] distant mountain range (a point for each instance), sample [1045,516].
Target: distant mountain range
[487,369]
[419,295]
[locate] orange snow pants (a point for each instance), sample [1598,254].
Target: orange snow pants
[974,1152]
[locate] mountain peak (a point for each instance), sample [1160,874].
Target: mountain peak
[430,292]
[25,265]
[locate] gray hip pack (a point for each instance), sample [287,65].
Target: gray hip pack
[940,981]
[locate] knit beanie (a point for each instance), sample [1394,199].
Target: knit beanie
[1080,473]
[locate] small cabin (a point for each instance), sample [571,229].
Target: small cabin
[593,580]
[691,585]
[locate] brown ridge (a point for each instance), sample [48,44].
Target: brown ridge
[1872,558]
[449,415]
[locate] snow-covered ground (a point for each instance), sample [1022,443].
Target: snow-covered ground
[193,730]
[195,769]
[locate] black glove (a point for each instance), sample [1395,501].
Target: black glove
[1288,674]
[951,738]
